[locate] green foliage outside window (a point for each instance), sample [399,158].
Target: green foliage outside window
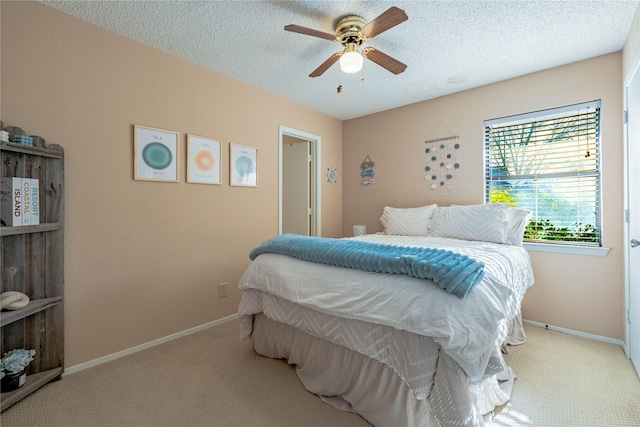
[545,230]
[502,196]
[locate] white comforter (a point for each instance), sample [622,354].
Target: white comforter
[468,329]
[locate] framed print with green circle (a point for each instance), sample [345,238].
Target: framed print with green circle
[243,165]
[203,160]
[155,154]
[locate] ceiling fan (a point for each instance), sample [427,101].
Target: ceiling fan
[351,32]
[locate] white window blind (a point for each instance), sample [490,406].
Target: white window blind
[548,162]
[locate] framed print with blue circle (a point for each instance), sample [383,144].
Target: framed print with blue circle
[243,165]
[155,154]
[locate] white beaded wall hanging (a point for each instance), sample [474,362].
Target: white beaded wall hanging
[443,166]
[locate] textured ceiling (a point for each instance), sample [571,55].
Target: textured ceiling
[448,46]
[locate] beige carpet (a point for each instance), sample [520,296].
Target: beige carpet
[565,380]
[211,379]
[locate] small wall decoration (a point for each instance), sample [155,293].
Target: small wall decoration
[367,171]
[155,154]
[332,175]
[243,166]
[203,160]
[442,157]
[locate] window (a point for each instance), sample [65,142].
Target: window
[548,162]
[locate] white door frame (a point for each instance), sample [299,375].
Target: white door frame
[630,340]
[316,156]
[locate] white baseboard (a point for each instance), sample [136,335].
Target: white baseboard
[114,356]
[578,333]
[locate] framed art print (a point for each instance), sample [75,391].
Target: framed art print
[243,165]
[203,160]
[155,154]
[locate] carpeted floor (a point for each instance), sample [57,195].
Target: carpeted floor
[569,381]
[211,379]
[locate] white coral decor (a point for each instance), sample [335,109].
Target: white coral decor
[15,361]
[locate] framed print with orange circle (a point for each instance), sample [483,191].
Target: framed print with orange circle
[203,160]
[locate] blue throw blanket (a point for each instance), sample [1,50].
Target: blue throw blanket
[453,272]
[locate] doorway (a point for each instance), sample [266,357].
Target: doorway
[632,213]
[299,195]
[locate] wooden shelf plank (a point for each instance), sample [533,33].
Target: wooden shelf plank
[25,149]
[34,382]
[35,306]
[24,229]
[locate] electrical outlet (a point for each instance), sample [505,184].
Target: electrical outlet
[222,290]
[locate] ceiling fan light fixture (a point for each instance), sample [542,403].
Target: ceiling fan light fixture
[351,61]
[351,32]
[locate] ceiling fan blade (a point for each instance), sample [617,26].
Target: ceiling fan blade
[310,32]
[326,64]
[389,19]
[384,60]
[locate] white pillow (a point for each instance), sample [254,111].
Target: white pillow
[517,220]
[486,223]
[407,221]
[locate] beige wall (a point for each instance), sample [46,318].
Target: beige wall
[143,260]
[584,293]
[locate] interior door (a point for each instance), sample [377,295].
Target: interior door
[314,165]
[633,215]
[296,195]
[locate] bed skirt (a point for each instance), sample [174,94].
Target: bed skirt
[351,381]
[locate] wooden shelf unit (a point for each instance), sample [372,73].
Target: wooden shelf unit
[32,262]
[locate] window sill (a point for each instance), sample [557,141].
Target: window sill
[566,249]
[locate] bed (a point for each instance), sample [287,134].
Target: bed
[398,349]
